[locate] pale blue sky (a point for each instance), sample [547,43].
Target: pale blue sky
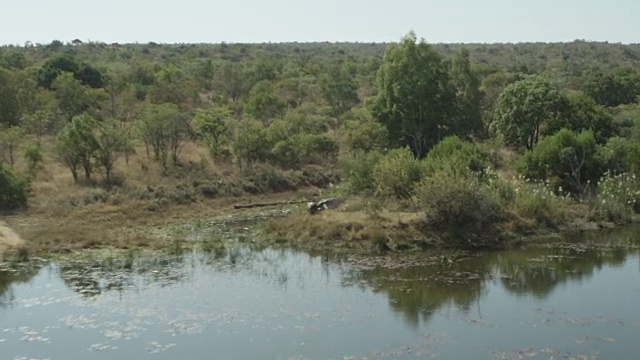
[190,21]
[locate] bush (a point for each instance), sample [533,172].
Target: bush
[536,201]
[460,206]
[566,161]
[358,171]
[456,155]
[620,155]
[396,174]
[618,197]
[13,190]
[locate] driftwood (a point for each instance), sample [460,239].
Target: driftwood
[276,203]
[312,206]
[315,206]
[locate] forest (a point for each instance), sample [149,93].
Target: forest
[431,144]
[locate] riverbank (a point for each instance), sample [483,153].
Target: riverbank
[356,227]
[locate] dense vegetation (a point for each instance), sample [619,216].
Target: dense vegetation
[480,139]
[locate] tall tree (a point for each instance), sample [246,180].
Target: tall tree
[10,110]
[264,104]
[339,88]
[415,99]
[213,125]
[522,109]
[468,97]
[76,145]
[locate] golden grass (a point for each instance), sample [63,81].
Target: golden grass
[63,216]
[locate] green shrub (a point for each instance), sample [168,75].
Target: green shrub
[618,196]
[458,205]
[13,190]
[536,201]
[456,155]
[34,155]
[396,174]
[620,155]
[566,161]
[358,171]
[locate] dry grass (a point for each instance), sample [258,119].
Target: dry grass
[357,230]
[66,217]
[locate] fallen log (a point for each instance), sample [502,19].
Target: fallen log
[276,203]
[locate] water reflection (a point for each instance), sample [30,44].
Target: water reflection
[282,300]
[420,291]
[8,277]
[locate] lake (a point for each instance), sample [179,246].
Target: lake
[571,298]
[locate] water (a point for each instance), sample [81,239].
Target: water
[575,298]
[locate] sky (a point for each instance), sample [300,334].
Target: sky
[251,21]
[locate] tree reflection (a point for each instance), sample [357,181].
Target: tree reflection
[10,277]
[417,292]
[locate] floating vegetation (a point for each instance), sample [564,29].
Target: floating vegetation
[285,303]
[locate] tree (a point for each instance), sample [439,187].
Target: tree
[54,67]
[111,142]
[415,99]
[363,132]
[522,109]
[10,140]
[580,112]
[13,60]
[163,128]
[264,104]
[76,145]
[613,89]
[339,88]
[566,160]
[172,85]
[468,96]
[250,143]
[13,190]
[10,110]
[213,125]
[230,80]
[73,97]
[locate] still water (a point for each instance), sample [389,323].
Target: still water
[572,298]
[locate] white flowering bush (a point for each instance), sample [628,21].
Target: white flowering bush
[618,196]
[537,200]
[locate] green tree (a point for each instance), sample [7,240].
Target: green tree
[264,104]
[10,140]
[613,89]
[415,99]
[10,110]
[54,67]
[34,155]
[112,142]
[468,96]
[213,125]
[163,128]
[172,85]
[363,132]
[566,160]
[73,97]
[250,143]
[580,112]
[339,88]
[230,80]
[13,190]
[76,145]
[14,60]
[522,109]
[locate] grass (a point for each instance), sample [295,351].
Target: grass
[135,211]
